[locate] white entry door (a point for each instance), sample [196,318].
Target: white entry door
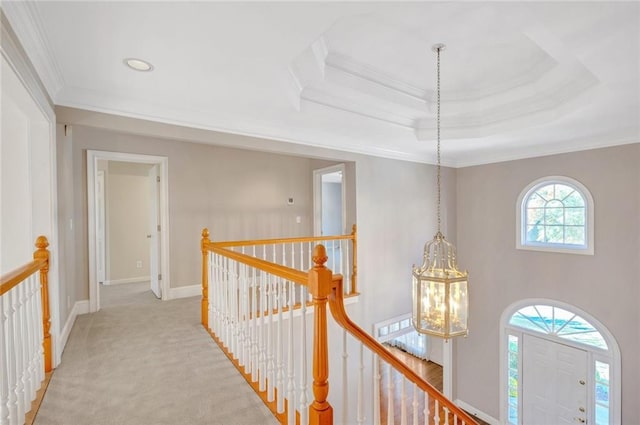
[554,383]
[154,232]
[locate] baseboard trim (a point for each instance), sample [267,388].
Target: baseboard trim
[185,291]
[129,280]
[475,412]
[80,307]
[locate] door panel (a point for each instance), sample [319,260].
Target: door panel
[554,382]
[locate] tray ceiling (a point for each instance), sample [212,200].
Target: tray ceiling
[518,79]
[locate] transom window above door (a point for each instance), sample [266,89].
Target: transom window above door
[558,322]
[555,214]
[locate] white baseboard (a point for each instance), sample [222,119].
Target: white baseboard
[129,280]
[475,412]
[80,307]
[185,291]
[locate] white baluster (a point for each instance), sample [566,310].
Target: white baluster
[246,313]
[4,382]
[427,412]
[291,384]
[242,294]
[347,269]
[233,307]
[334,254]
[345,379]
[436,411]
[304,403]
[32,325]
[19,347]
[403,402]
[377,377]
[281,298]
[11,357]
[254,324]
[302,257]
[39,334]
[446,416]
[271,368]
[415,405]
[390,397]
[360,412]
[262,361]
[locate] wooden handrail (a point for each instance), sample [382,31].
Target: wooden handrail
[336,306]
[229,244]
[14,278]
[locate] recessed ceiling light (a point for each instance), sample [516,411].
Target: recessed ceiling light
[138,64]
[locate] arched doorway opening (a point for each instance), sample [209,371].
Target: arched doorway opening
[558,364]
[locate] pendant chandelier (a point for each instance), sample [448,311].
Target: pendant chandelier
[440,290]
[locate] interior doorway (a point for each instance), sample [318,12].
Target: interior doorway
[329,201]
[150,174]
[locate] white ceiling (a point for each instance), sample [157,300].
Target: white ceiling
[518,79]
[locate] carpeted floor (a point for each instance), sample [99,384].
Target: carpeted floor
[145,363]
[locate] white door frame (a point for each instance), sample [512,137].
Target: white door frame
[612,356]
[93,156]
[317,197]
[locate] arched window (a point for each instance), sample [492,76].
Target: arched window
[550,346]
[555,214]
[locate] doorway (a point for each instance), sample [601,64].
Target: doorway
[329,199]
[150,174]
[558,364]
[554,378]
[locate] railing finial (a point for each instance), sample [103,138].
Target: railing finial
[204,309]
[319,256]
[42,243]
[42,253]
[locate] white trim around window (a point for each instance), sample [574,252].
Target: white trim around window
[521,228]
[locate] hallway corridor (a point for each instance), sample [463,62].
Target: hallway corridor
[147,363]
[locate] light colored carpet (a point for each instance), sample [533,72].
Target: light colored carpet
[147,363]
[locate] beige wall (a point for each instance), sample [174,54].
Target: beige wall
[604,285]
[127,220]
[237,194]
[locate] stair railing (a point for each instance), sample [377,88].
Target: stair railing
[256,310]
[25,350]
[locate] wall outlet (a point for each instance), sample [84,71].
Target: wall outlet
[298,219]
[139,264]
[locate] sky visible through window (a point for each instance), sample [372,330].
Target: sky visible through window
[556,321]
[555,214]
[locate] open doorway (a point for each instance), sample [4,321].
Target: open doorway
[329,198]
[128,226]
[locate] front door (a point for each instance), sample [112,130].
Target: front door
[554,383]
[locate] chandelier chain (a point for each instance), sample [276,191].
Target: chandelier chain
[438,129]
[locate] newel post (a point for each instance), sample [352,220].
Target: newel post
[320,411]
[42,253]
[354,260]
[205,278]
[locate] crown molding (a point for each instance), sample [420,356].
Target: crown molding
[17,59]
[26,23]
[523,153]
[74,97]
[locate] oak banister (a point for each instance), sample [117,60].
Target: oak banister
[204,307]
[275,269]
[320,277]
[336,305]
[14,277]
[354,256]
[230,244]
[42,254]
